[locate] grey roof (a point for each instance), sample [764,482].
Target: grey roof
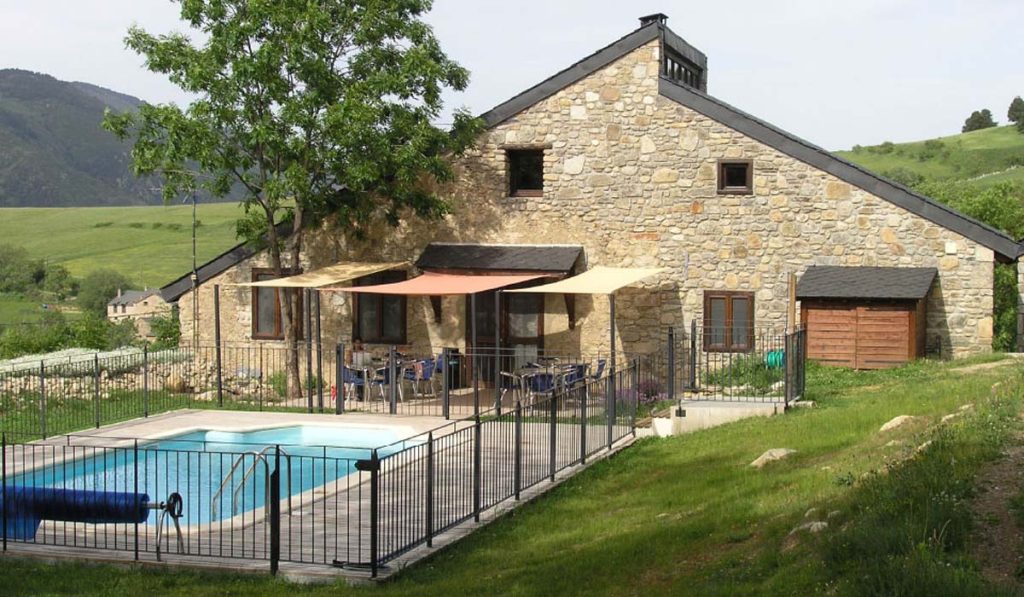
[130,297]
[865,282]
[511,258]
[857,176]
[214,267]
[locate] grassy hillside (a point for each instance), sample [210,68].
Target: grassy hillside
[52,149]
[987,156]
[152,245]
[687,516]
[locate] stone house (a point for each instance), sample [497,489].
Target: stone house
[140,306]
[624,159]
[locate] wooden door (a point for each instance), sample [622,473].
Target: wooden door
[861,336]
[883,336]
[831,334]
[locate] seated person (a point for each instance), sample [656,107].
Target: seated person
[359,357]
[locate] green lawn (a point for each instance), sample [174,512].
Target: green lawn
[686,515]
[16,308]
[151,245]
[963,156]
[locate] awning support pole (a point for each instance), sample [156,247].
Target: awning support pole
[611,336]
[475,360]
[216,341]
[497,350]
[319,356]
[307,303]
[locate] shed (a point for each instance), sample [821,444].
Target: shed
[865,317]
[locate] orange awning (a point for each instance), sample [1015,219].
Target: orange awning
[435,284]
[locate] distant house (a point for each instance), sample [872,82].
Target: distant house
[624,159]
[140,306]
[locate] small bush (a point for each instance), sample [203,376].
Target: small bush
[102,224]
[747,370]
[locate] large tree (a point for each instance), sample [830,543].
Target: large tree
[979,119]
[314,109]
[1016,112]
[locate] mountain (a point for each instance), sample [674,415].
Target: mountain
[979,158]
[53,151]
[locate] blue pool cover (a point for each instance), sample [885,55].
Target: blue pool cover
[26,507]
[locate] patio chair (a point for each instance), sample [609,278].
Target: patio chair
[514,383]
[351,379]
[383,379]
[600,369]
[420,373]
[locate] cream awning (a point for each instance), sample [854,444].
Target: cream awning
[598,280]
[332,274]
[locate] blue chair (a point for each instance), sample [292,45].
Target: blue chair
[600,369]
[352,379]
[422,372]
[383,379]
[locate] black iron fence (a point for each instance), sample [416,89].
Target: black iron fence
[190,499]
[38,400]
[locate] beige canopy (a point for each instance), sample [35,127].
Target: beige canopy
[332,274]
[598,280]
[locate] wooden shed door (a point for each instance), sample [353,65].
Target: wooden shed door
[858,336]
[883,336]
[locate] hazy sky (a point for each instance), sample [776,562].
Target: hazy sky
[836,73]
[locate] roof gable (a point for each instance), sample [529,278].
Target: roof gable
[857,176]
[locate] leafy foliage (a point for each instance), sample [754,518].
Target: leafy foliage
[318,110]
[98,288]
[167,330]
[55,332]
[1015,113]
[978,120]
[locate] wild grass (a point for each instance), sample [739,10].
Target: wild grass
[687,515]
[150,245]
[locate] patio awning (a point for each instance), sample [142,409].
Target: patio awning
[437,284]
[332,274]
[598,280]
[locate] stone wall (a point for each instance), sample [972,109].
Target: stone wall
[631,176]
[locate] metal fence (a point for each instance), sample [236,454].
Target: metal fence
[356,507]
[57,397]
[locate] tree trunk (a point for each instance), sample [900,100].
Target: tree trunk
[291,316]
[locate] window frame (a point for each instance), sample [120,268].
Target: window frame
[747,189]
[360,299]
[728,296]
[257,274]
[513,190]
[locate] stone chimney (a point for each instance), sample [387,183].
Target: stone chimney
[118,293]
[656,18]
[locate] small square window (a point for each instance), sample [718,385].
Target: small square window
[736,177]
[526,172]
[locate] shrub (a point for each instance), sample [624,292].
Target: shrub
[167,330]
[746,370]
[98,288]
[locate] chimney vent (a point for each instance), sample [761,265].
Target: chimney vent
[656,18]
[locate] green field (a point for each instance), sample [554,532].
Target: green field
[151,245]
[992,151]
[688,516]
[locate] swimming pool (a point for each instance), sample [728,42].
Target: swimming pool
[219,474]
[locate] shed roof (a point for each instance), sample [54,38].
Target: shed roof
[504,258]
[865,282]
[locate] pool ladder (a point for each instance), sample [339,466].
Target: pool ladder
[258,457]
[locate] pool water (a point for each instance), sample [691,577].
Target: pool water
[219,474]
